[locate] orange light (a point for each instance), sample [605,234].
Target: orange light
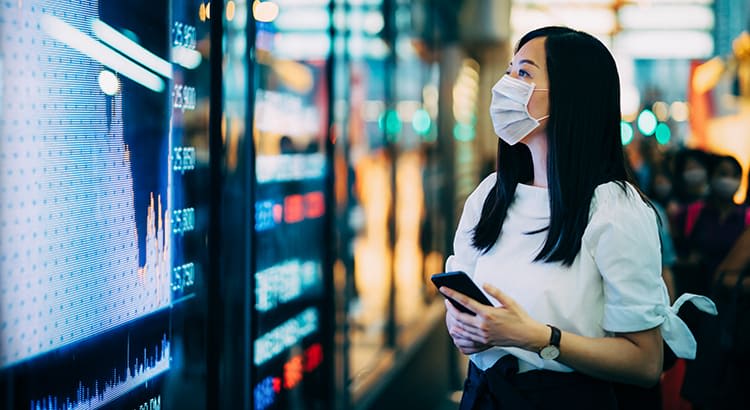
[293,372]
[266,11]
[315,205]
[202,12]
[230,10]
[294,209]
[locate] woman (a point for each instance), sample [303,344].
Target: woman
[562,240]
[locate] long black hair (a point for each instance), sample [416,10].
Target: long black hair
[583,135]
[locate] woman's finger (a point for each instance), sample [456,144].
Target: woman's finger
[501,297]
[457,314]
[459,297]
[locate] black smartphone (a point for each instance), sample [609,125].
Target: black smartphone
[460,282]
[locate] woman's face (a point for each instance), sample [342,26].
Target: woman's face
[530,65]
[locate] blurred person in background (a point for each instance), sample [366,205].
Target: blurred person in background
[710,229]
[563,241]
[732,291]
[662,192]
[691,176]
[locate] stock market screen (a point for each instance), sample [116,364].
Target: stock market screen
[103,156]
[291,319]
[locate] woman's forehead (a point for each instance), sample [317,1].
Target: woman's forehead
[533,50]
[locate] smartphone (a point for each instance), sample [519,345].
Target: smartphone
[460,282]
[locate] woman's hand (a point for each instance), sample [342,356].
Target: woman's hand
[506,325]
[459,336]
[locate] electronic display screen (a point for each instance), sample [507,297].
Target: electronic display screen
[103,159]
[291,324]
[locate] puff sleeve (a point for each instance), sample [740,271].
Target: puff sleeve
[623,239]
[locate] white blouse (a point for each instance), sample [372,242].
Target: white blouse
[614,284]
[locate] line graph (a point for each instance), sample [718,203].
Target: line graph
[92,396]
[86,243]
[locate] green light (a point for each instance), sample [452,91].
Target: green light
[463,132]
[421,122]
[390,123]
[626,132]
[646,122]
[663,133]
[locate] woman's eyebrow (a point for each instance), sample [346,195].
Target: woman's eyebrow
[526,61]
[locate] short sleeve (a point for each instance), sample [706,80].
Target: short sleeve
[465,255]
[623,239]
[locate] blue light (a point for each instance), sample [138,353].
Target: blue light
[421,122]
[626,132]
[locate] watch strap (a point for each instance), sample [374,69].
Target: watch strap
[554,338]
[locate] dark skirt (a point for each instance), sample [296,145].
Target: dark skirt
[501,387]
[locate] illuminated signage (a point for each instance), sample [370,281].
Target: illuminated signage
[103,236]
[290,167]
[286,282]
[289,334]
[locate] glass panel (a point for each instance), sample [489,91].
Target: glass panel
[412,76]
[291,275]
[236,228]
[367,255]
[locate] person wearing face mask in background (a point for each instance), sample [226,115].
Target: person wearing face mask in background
[691,176]
[562,242]
[711,229]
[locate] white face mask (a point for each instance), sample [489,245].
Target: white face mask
[695,176]
[509,109]
[725,187]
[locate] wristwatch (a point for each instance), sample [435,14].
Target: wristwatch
[552,350]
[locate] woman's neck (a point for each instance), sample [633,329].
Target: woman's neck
[537,144]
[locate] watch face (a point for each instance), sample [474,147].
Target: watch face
[550,352]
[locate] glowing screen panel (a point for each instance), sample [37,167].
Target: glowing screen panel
[102,147]
[291,323]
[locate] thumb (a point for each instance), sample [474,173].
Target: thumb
[501,297]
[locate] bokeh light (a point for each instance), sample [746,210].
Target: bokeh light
[108,82]
[679,111]
[661,110]
[266,11]
[421,122]
[626,132]
[663,133]
[647,122]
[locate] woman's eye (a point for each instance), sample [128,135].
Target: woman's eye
[523,73]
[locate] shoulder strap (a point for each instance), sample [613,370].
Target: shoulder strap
[693,211]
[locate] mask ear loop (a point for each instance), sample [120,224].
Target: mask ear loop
[543,117]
